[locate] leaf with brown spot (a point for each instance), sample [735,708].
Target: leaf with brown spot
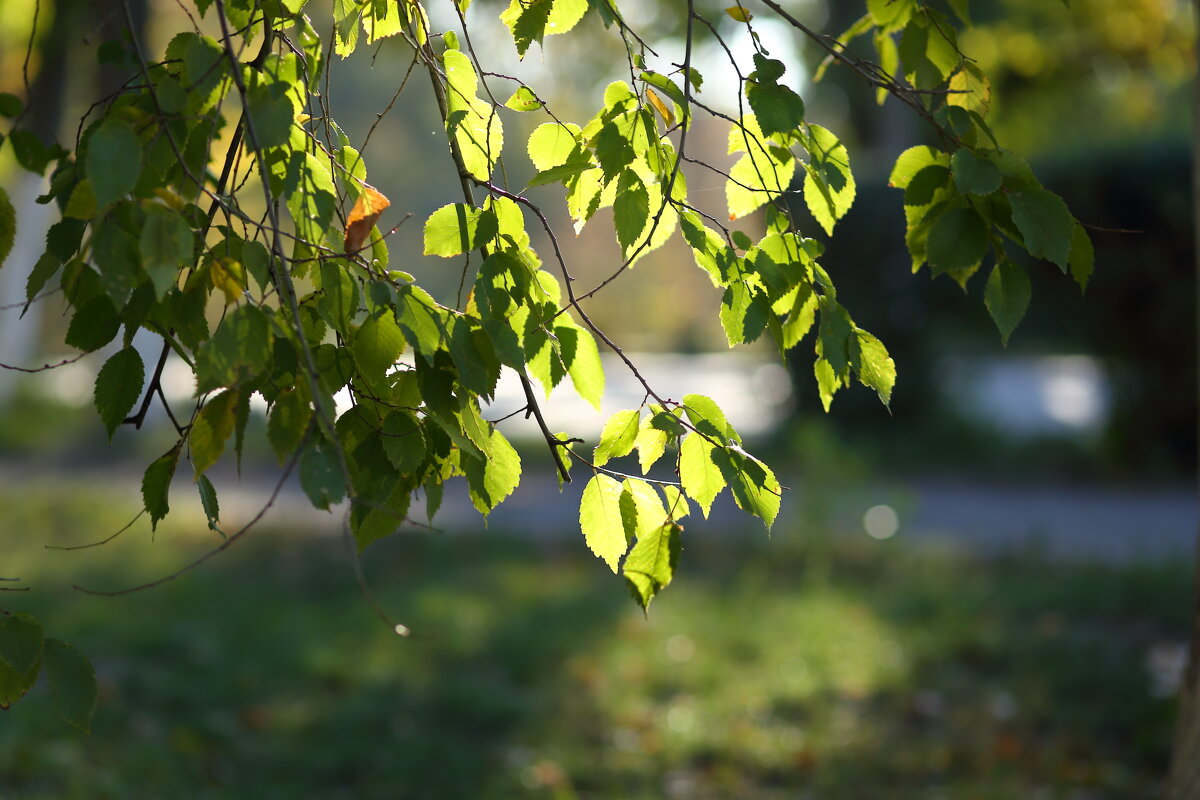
[367,208]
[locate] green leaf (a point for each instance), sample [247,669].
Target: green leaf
[208,501]
[617,438]
[699,474]
[974,174]
[339,300]
[581,356]
[776,107]
[875,368]
[1045,224]
[493,478]
[651,563]
[553,144]
[677,502]
[641,509]
[403,442]
[94,324]
[523,99]
[613,151]
[929,49]
[829,187]
[156,485]
[653,436]
[118,387]
[20,642]
[706,416]
[472,122]
[1083,258]
[377,345]
[530,21]
[836,330]
[8,225]
[890,15]
[560,174]
[10,105]
[288,423]
[752,483]
[1007,296]
[311,199]
[115,253]
[756,177]
[166,246]
[271,114]
[114,161]
[912,161]
[631,210]
[457,228]
[474,356]
[237,353]
[321,476]
[600,519]
[420,320]
[72,683]
[744,312]
[957,240]
[212,428]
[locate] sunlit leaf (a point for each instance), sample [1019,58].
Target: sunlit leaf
[600,519]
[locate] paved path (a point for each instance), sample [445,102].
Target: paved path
[1109,523]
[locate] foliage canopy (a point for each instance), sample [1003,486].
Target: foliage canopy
[217,203]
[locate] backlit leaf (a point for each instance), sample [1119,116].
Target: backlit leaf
[600,519]
[651,563]
[829,187]
[472,122]
[618,437]
[458,228]
[701,477]
[523,99]
[875,368]
[631,210]
[493,478]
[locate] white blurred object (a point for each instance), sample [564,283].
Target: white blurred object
[753,392]
[1031,396]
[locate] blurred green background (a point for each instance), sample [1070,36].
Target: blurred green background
[767,669]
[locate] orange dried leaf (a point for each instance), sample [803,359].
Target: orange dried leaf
[367,208]
[662,108]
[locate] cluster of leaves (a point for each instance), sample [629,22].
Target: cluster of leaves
[172,221]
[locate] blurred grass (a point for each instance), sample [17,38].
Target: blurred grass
[887,672]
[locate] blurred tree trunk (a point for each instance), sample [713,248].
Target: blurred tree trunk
[63,65]
[1184,781]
